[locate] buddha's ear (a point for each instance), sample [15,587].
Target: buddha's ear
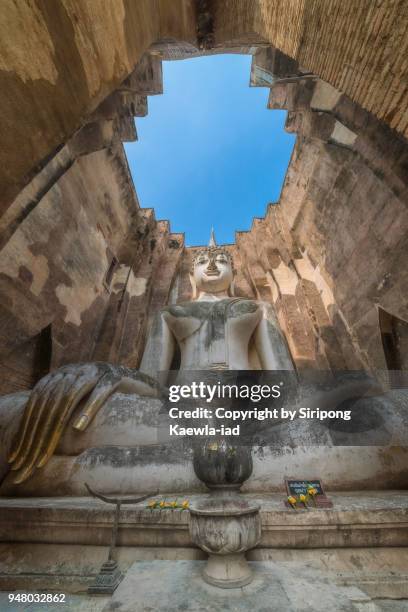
[231,288]
[193,286]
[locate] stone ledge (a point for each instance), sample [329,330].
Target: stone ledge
[372,519]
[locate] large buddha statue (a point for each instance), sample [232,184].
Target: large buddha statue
[107,425]
[213,331]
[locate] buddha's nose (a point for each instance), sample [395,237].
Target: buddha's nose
[212,267]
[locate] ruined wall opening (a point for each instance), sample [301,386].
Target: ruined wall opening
[394,336]
[209,148]
[27,363]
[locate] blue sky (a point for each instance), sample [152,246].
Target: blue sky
[209,152]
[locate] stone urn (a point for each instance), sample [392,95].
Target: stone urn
[226,529]
[222,466]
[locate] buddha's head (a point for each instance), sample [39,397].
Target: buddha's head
[212,270]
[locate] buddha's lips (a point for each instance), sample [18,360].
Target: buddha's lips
[212,273]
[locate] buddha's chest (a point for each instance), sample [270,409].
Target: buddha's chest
[208,332]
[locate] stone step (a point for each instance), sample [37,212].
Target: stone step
[370,519]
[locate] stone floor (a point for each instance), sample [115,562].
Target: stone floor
[73,603]
[177,586]
[174,586]
[291,588]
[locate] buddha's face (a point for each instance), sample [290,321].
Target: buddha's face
[212,272]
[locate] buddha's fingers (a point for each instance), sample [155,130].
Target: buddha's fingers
[27,417]
[49,432]
[55,403]
[22,430]
[105,387]
[78,391]
[35,418]
[52,403]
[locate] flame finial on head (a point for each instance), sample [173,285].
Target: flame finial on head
[212,242]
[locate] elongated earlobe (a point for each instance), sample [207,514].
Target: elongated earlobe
[193,286]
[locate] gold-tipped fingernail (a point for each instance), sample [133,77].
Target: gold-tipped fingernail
[81,423]
[42,461]
[12,457]
[22,476]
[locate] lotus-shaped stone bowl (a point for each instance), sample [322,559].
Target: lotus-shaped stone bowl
[226,529]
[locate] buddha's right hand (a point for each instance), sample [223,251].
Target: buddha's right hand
[53,401]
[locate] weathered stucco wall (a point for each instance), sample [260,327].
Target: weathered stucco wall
[358,46]
[53,267]
[345,203]
[77,254]
[59,60]
[76,269]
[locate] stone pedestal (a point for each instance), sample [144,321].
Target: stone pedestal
[227,571]
[108,579]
